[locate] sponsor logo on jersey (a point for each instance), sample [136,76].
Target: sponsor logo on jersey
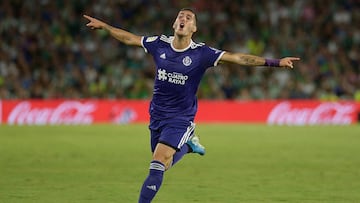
[174,77]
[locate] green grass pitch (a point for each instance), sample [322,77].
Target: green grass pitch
[244,163]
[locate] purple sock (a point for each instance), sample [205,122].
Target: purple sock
[152,183]
[179,154]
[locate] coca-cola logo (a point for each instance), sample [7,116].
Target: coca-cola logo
[323,113]
[67,112]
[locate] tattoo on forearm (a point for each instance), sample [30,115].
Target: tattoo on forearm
[251,60]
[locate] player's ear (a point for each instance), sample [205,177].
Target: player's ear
[194,28]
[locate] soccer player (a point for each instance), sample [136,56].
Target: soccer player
[180,65]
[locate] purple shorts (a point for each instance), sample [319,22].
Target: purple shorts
[174,133]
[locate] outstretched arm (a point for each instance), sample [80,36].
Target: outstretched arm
[252,60]
[120,34]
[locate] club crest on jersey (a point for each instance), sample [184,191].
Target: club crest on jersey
[187,61]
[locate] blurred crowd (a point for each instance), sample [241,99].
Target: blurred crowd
[47,52]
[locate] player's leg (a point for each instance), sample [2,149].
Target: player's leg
[170,148]
[183,147]
[181,138]
[192,144]
[179,154]
[162,154]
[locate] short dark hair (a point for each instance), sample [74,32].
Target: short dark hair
[188,9]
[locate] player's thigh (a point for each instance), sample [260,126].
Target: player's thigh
[176,136]
[154,139]
[163,153]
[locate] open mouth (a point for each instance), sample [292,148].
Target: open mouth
[182,25]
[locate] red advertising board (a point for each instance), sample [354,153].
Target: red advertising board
[292,112]
[42,112]
[72,112]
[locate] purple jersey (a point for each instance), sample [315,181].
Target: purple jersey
[178,74]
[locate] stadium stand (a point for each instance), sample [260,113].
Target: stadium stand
[47,52]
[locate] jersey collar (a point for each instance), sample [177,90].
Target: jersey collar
[179,50]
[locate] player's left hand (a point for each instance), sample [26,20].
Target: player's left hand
[287,62]
[94,23]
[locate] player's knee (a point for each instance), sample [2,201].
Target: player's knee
[163,158]
[163,153]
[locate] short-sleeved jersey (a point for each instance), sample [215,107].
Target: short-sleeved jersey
[178,74]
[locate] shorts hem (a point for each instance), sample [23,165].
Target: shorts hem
[167,144]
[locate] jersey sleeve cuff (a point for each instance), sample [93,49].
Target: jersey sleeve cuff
[142,44]
[219,57]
